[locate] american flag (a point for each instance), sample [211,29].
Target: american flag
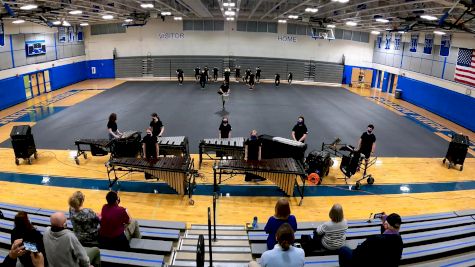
[465,69]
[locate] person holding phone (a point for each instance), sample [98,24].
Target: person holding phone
[17,250]
[32,238]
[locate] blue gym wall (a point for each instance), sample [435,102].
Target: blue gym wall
[12,90]
[451,105]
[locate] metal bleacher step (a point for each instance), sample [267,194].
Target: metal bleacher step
[218,243]
[218,257]
[221,234]
[218,227]
[215,264]
[219,249]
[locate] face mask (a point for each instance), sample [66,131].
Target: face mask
[253,137]
[300,122]
[149,133]
[225,122]
[370,131]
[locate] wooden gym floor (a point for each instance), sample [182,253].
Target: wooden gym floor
[452,189]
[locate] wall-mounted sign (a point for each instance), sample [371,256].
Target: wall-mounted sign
[62,36]
[34,48]
[287,38]
[171,35]
[428,43]
[414,40]
[445,45]
[2,34]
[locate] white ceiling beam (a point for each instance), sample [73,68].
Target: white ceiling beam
[273,8]
[255,8]
[293,8]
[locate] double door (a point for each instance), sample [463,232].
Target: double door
[36,84]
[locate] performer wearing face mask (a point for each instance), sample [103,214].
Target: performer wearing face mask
[277,79]
[238,73]
[150,145]
[215,74]
[156,125]
[224,91]
[290,78]
[197,73]
[225,129]
[367,142]
[179,74]
[227,74]
[252,81]
[258,74]
[300,131]
[252,151]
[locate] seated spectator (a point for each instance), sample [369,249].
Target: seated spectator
[64,248]
[281,216]
[283,254]
[332,235]
[117,228]
[85,221]
[377,250]
[27,232]
[18,250]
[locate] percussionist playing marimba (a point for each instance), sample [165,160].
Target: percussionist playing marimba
[150,145]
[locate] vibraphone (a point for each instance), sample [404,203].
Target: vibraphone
[177,172]
[278,147]
[173,145]
[284,172]
[97,147]
[233,147]
[127,145]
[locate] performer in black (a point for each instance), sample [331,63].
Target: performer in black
[197,73]
[157,125]
[290,77]
[258,74]
[225,129]
[215,74]
[227,74]
[367,142]
[300,131]
[252,152]
[112,127]
[238,73]
[252,81]
[179,74]
[277,79]
[203,79]
[224,91]
[207,73]
[248,73]
[150,145]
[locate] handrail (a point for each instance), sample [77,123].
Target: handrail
[209,238]
[215,196]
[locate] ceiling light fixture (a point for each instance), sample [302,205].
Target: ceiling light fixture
[84,24]
[18,21]
[382,20]
[57,22]
[147,5]
[67,24]
[428,17]
[282,21]
[341,1]
[375,32]
[402,32]
[166,13]
[293,17]
[178,18]
[311,10]
[28,7]
[75,12]
[107,17]
[439,33]
[331,26]
[229,13]
[229,4]
[128,20]
[351,23]
[230,19]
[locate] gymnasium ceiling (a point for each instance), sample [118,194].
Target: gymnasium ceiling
[401,14]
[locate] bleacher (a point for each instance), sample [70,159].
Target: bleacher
[441,239]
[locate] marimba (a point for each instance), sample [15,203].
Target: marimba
[284,172]
[230,147]
[98,147]
[173,145]
[177,172]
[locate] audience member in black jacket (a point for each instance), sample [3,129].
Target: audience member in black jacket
[27,232]
[379,250]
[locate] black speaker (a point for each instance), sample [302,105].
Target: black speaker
[23,143]
[457,151]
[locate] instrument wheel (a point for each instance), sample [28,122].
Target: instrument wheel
[77,160]
[85,155]
[461,167]
[29,161]
[443,161]
[450,165]
[191,202]
[17,161]
[357,186]
[35,155]
[370,180]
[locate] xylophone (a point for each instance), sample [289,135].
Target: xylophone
[284,172]
[231,147]
[173,145]
[177,172]
[98,147]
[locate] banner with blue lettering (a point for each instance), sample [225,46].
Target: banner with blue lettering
[80,34]
[414,40]
[389,36]
[445,45]
[62,34]
[397,41]
[71,34]
[379,40]
[428,43]
[2,34]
